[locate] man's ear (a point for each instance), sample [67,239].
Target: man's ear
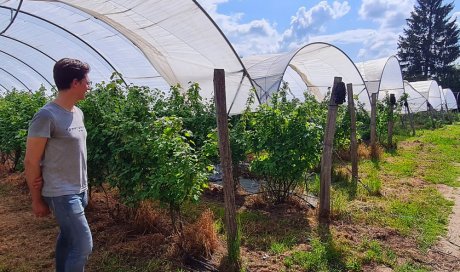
[74,82]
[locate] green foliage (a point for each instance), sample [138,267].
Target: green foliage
[16,110]
[385,113]
[285,140]
[146,154]
[197,114]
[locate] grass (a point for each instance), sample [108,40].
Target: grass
[435,153]
[423,215]
[279,247]
[397,193]
[323,256]
[419,212]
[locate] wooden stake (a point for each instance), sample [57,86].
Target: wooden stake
[354,143]
[374,125]
[233,245]
[411,117]
[390,128]
[430,111]
[326,159]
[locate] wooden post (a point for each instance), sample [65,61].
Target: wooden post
[443,115]
[403,121]
[326,158]
[449,117]
[392,102]
[430,111]
[233,245]
[374,125]
[354,143]
[411,117]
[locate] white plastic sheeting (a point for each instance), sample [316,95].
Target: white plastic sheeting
[317,64]
[416,100]
[450,100]
[382,76]
[430,90]
[153,43]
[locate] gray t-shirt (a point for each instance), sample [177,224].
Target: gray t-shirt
[64,160]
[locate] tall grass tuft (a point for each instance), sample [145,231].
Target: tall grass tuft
[201,236]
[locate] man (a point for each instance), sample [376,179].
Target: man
[55,164]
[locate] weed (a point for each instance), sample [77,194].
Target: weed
[201,236]
[283,246]
[374,252]
[322,257]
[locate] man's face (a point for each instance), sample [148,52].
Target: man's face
[82,86]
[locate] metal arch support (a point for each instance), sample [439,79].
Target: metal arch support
[20,81]
[236,94]
[1,51]
[75,36]
[28,45]
[1,85]
[245,71]
[13,19]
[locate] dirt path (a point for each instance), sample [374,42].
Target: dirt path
[450,245]
[26,243]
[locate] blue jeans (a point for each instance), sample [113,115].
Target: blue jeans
[74,242]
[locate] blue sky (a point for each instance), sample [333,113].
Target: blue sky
[363,29]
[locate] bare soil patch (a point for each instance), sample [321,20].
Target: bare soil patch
[450,245]
[27,243]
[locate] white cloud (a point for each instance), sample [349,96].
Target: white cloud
[310,22]
[211,5]
[261,36]
[382,45]
[346,37]
[254,37]
[388,13]
[309,25]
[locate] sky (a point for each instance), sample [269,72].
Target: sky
[363,29]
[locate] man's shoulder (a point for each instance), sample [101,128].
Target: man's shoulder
[45,111]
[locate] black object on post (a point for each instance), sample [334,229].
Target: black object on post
[392,99]
[339,93]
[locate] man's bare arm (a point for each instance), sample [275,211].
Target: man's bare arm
[35,149]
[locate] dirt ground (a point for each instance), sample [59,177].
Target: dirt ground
[27,243]
[450,244]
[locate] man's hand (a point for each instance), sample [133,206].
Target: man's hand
[40,208]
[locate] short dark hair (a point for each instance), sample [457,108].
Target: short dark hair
[66,70]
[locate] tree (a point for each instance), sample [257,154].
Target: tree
[430,43]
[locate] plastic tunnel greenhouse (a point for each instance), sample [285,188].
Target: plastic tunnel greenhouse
[430,90]
[316,64]
[450,101]
[416,100]
[382,76]
[150,43]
